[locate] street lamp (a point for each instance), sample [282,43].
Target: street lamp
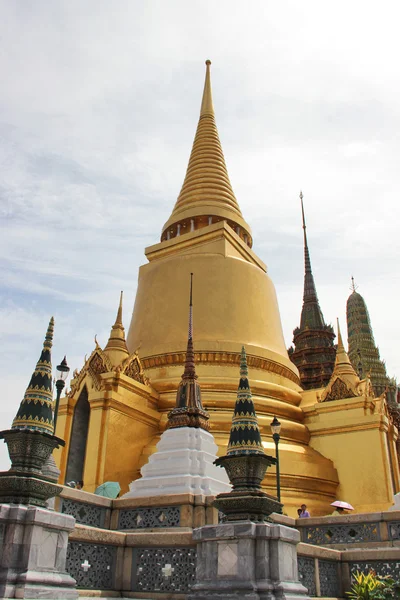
[276,428]
[62,372]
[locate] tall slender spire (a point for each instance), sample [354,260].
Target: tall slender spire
[116,347]
[190,371]
[189,411]
[207,107]
[309,317]
[206,195]
[314,358]
[36,409]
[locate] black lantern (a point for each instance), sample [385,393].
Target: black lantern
[276,429]
[62,373]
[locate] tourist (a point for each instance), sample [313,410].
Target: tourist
[304,514]
[79,485]
[338,512]
[299,512]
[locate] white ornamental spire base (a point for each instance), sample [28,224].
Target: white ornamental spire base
[182,464]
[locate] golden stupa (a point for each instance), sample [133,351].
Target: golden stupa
[118,403]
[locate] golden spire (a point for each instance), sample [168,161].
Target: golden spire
[207,107]
[206,192]
[343,365]
[116,347]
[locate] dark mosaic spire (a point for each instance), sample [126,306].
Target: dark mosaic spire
[311,314]
[363,352]
[313,352]
[189,411]
[245,435]
[36,409]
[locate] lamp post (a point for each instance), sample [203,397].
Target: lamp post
[62,372]
[276,428]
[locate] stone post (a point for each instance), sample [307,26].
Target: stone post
[247,561]
[33,552]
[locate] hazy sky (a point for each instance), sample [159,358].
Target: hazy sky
[98,108]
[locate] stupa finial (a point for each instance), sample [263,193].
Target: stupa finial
[353,285]
[207,107]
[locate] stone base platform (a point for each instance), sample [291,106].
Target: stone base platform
[247,561]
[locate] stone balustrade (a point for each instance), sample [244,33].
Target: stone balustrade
[370,530]
[125,546]
[126,514]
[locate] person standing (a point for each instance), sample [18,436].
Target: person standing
[304,514]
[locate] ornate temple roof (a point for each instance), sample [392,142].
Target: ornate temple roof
[189,411]
[206,195]
[116,348]
[245,435]
[363,352]
[36,409]
[314,351]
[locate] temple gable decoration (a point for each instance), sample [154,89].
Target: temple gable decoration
[344,382]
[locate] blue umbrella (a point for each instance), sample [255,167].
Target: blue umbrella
[108,489]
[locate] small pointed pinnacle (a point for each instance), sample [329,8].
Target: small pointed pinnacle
[48,340]
[244,372]
[207,107]
[116,342]
[340,346]
[353,285]
[118,320]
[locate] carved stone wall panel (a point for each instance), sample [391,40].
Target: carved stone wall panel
[394,530]
[168,570]
[149,518]
[306,568]
[381,567]
[92,565]
[329,578]
[84,513]
[349,533]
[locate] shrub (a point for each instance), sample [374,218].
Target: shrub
[370,586]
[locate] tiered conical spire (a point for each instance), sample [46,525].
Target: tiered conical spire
[363,352]
[36,409]
[116,347]
[245,435]
[313,352]
[206,195]
[189,411]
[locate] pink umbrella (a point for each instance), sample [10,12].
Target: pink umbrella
[340,504]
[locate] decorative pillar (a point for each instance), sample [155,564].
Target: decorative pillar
[34,540]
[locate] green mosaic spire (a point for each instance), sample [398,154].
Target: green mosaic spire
[363,351]
[36,409]
[245,435]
